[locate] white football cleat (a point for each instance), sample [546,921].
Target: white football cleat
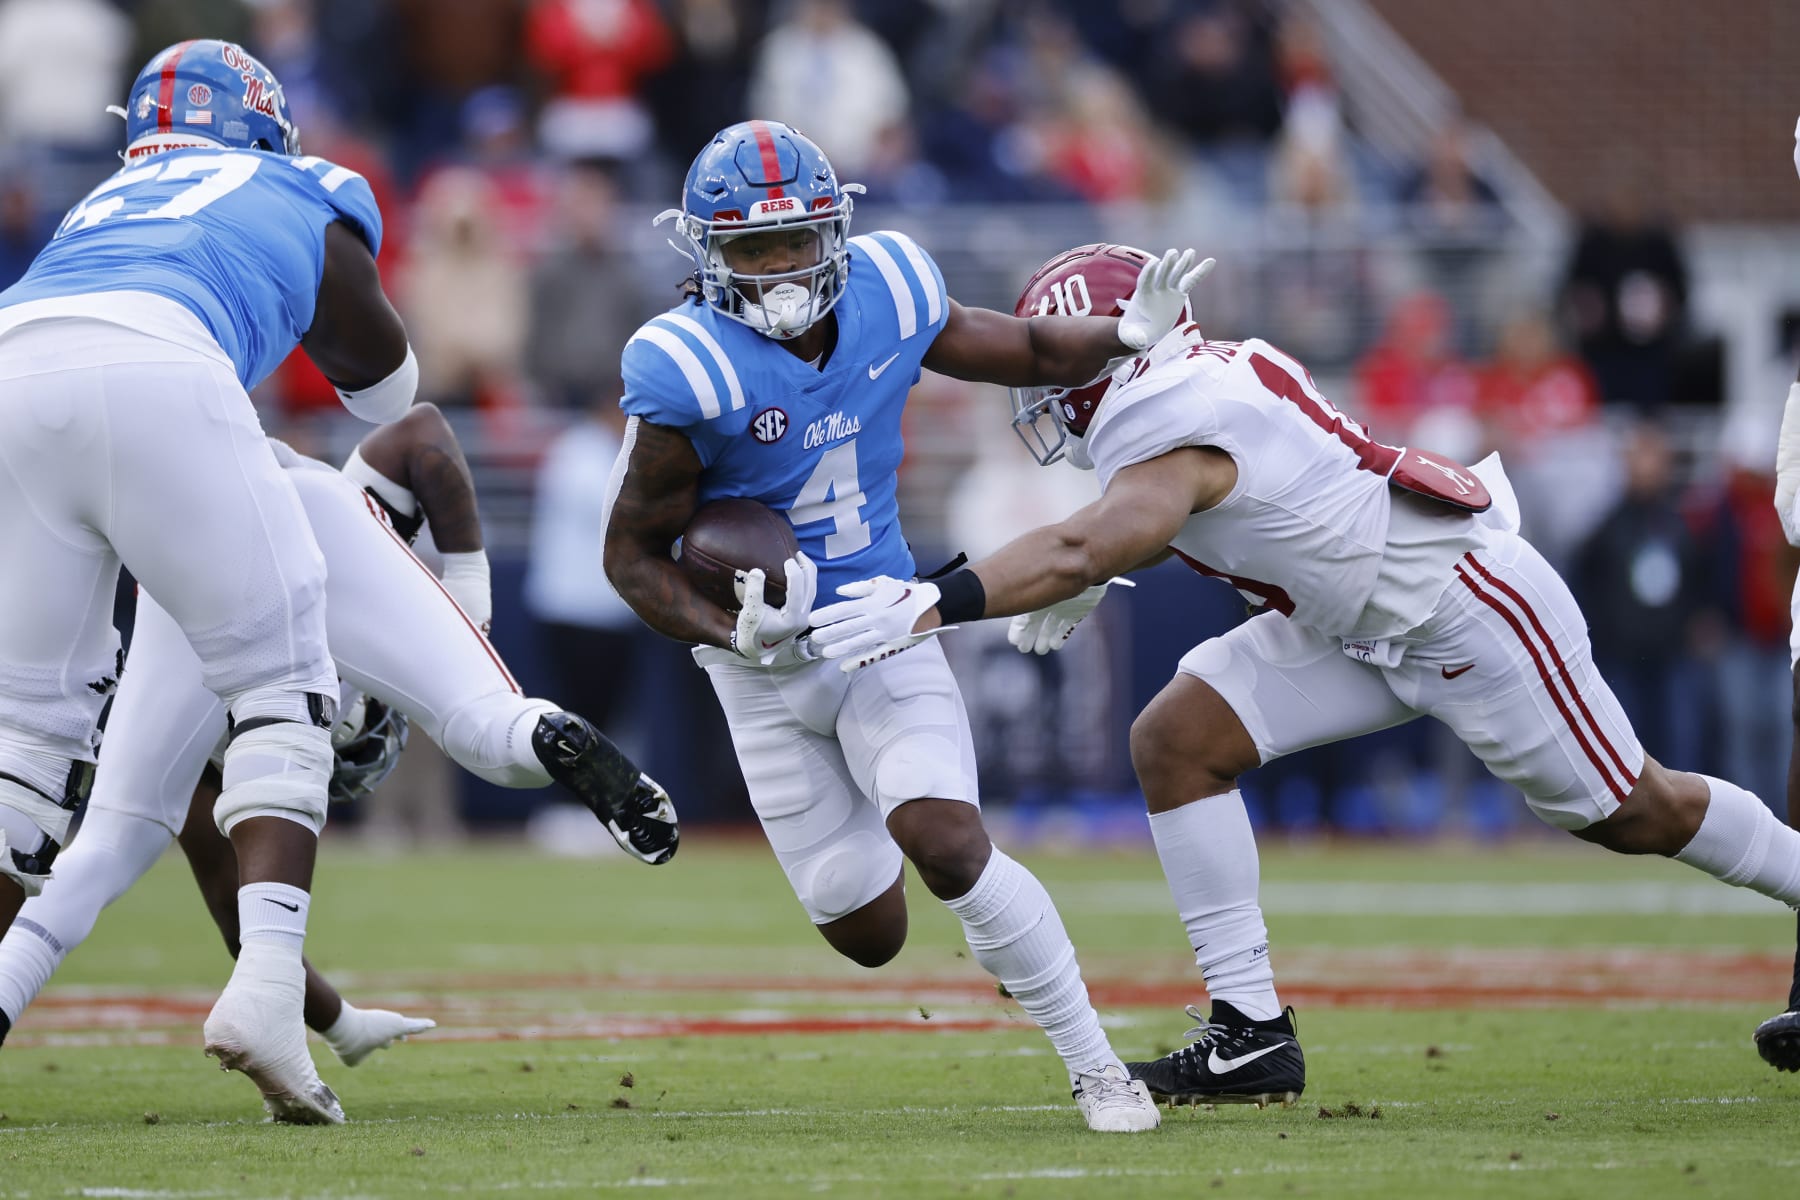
[256,1027]
[359,1032]
[1113,1102]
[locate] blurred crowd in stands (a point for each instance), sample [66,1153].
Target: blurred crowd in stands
[516,147]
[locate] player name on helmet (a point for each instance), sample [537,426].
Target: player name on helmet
[830,429]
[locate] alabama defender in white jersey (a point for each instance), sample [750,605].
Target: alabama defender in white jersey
[404,643]
[127,434]
[1778,1038]
[1394,585]
[783,379]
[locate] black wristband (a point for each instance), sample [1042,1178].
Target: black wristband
[961,598]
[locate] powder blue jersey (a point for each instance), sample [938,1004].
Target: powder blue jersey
[235,236]
[821,445]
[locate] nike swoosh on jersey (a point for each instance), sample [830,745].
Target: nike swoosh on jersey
[1222,1066]
[875,371]
[1447,673]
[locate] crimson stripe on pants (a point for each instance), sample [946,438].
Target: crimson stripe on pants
[1556,657]
[1549,683]
[388,527]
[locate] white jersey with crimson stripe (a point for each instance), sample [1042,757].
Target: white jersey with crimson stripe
[1306,531]
[394,633]
[1382,607]
[1503,660]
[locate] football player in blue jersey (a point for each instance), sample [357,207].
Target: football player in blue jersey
[407,647]
[127,434]
[782,379]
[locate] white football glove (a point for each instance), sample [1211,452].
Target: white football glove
[1162,290]
[770,636]
[1787,466]
[875,621]
[1045,631]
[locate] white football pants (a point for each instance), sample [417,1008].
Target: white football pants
[117,446]
[396,633]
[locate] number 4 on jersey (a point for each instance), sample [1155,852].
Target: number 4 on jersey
[832,493]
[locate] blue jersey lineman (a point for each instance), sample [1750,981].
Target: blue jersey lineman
[783,379]
[127,435]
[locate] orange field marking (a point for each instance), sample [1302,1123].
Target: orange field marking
[491,1006]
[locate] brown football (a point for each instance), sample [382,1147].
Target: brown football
[729,538]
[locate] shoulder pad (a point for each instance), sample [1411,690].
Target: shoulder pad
[677,373]
[347,192]
[913,281]
[1148,418]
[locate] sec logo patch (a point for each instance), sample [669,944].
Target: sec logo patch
[199,94]
[768,425]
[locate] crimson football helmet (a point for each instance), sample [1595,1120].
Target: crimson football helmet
[1094,280]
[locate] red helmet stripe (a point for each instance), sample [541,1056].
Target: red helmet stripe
[165,96]
[770,160]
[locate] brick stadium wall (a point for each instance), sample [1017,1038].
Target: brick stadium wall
[1694,98]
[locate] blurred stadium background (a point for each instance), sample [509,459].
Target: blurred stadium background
[1565,231]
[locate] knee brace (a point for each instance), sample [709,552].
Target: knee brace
[278,768]
[29,866]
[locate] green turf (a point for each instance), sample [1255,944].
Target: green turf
[1590,1101]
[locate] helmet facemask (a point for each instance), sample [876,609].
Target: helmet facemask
[1068,410]
[780,305]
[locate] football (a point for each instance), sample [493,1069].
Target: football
[728,538]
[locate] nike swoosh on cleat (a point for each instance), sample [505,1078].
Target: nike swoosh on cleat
[1222,1066]
[1449,674]
[875,371]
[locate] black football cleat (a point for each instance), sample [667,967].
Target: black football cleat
[1230,1060]
[634,807]
[1778,1041]
[1778,1038]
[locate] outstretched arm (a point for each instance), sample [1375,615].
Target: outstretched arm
[985,346]
[1064,351]
[658,492]
[1145,505]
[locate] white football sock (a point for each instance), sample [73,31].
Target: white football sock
[111,852]
[491,738]
[1742,843]
[1016,934]
[273,915]
[1209,858]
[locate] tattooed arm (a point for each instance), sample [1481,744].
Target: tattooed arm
[659,486]
[420,454]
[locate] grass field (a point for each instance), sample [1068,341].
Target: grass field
[1528,1021]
